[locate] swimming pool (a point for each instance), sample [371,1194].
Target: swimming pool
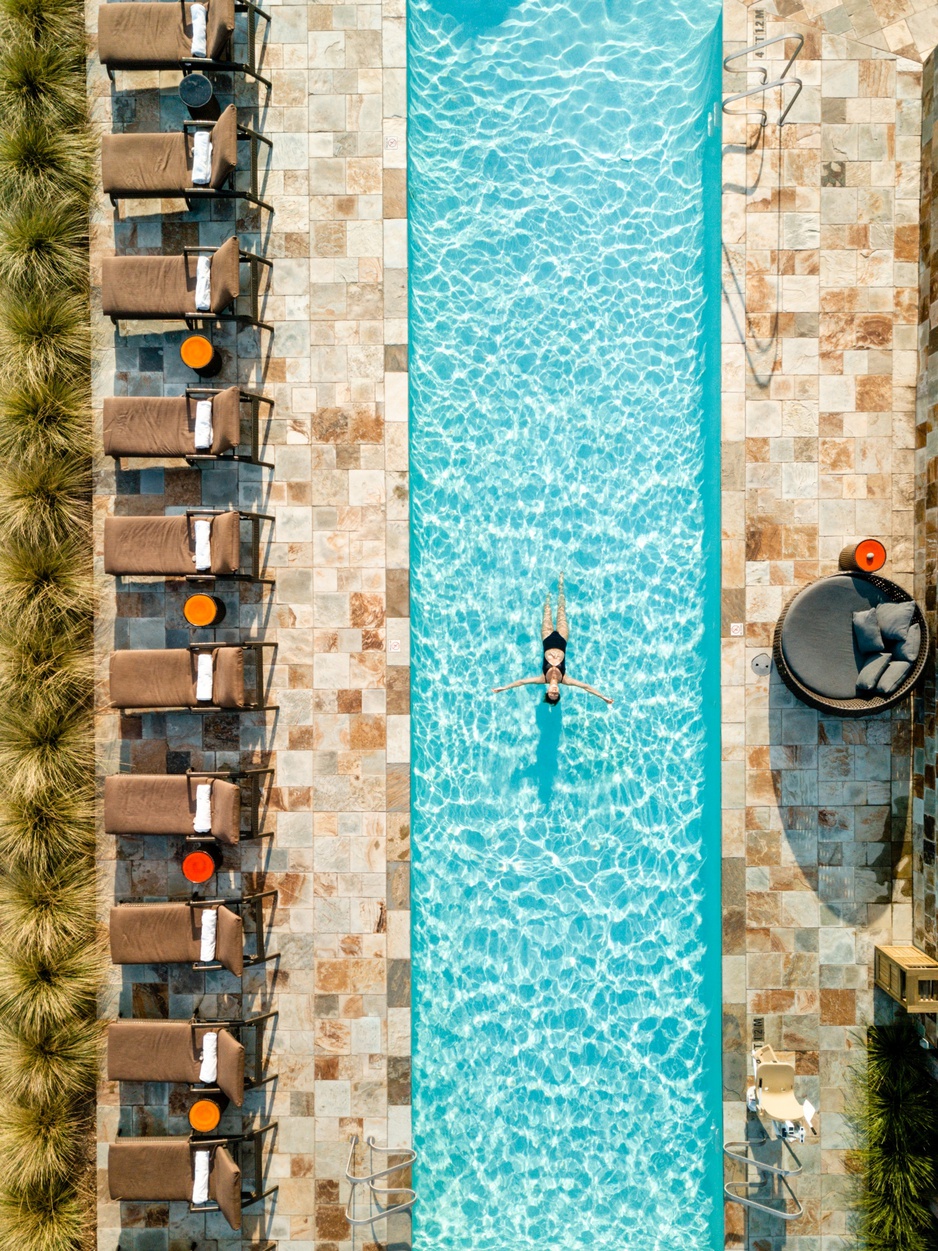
[564,219]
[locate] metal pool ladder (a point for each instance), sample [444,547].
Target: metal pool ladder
[376,1194]
[741,1192]
[781,81]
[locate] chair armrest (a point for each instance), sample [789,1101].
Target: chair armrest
[246,257]
[195,124]
[245,132]
[245,6]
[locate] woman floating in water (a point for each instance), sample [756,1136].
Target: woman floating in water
[554,671]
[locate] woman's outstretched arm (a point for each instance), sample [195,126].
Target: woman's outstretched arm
[584,686]
[521,682]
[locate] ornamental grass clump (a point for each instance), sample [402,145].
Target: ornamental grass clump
[49,958]
[895,1115]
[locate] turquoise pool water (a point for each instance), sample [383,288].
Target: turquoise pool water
[564,318]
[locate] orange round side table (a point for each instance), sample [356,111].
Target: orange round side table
[203,610]
[198,352]
[204,1116]
[198,866]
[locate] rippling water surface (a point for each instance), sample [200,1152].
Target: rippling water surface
[564,281]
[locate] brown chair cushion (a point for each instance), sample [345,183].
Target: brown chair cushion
[166,545]
[170,933]
[147,164]
[148,545]
[131,39]
[224,146]
[229,941]
[170,1051]
[157,933]
[226,275]
[152,1051]
[137,36]
[159,425]
[157,803]
[226,811]
[226,542]
[226,420]
[157,1170]
[153,678]
[150,1169]
[224,1186]
[148,286]
[229,677]
[221,24]
[230,1067]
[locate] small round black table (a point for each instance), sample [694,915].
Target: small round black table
[198,95]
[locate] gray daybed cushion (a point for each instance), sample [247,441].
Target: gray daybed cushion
[872,671]
[894,675]
[910,646]
[868,633]
[894,620]
[818,641]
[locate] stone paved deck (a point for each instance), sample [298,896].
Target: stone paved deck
[821,235]
[336,365]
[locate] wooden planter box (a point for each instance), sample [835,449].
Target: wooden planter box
[908,976]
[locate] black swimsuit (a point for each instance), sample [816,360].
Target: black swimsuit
[557,641]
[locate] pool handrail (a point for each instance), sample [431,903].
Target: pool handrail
[781,81]
[376,1192]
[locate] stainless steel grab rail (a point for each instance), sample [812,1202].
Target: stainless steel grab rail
[765,43]
[377,1193]
[755,91]
[739,1192]
[782,81]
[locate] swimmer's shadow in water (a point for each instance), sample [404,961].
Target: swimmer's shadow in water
[542,771]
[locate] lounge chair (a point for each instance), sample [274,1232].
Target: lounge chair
[159,166]
[161,1170]
[163,288]
[165,803]
[171,933]
[160,681]
[775,1090]
[174,1051]
[165,425]
[171,546]
[159,36]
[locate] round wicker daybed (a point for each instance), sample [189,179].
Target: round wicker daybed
[814,648]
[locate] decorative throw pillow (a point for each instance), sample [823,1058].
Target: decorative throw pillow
[910,646]
[894,675]
[894,619]
[871,672]
[867,632]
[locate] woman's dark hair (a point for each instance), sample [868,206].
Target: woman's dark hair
[552,699]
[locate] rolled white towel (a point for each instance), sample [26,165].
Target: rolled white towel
[202,821]
[199,14]
[209,929]
[202,158]
[203,425]
[200,1177]
[203,678]
[203,285]
[208,1072]
[203,544]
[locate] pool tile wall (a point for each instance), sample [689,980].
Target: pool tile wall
[820,231]
[336,366]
